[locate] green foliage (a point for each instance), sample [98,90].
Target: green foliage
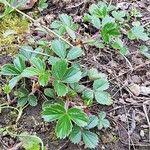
[62,74]
[31,142]
[109,30]
[65,24]
[89,138]
[137,32]
[145,51]
[103,122]
[14,70]
[42,5]
[38,68]
[65,117]
[24,97]
[60,49]
[112,25]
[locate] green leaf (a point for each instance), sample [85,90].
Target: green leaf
[138,32]
[93,121]
[49,92]
[6,88]
[52,60]
[103,123]
[30,72]
[30,142]
[14,81]
[9,69]
[75,135]
[32,100]
[77,87]
[88,96]
[60,88]
[96,22]
[43,78]
[118,44]
[103,98]
[56,24]
[53,112]
[71,33]
[107,19]
[59,48]
[119,15]
[24,50]
[101,84]
[78,116]
[72,75]
[63,127]
[90,139]
[144,50]
[59,69]
[74,53]
[93,74]
[21,102]
[38,63]
[19,63]
[109,30]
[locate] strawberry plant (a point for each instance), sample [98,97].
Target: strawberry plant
[112,26]
[65,24]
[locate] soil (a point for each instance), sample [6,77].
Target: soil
[129,125]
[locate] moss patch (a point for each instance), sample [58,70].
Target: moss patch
[12,28]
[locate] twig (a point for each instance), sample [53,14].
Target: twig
[147,118]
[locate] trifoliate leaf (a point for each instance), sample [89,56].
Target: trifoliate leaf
[103,98]
[119,15]
[60,88]
[103,122]
[109,30]
[90,139]
[53,112]
[101,84]
[75,135]
[59,69]
[74,53]
[59,48]
[78,116]
[63,127]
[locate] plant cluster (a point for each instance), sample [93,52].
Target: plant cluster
[113,25]
[61,77]
[53,72]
